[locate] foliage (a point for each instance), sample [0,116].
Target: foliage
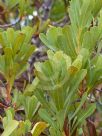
[58,82]
[18,128]
[76,39]
[57,12]
[58,94]
[16,50]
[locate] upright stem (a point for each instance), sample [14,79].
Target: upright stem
[8,91]
[91,128]
[66,127]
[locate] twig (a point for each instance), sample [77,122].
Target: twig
[3,106]
[99,90]
[10,25]
[47,6]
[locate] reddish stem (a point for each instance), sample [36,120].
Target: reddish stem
[3,106]
[66,127]
[8,91]
[91,128]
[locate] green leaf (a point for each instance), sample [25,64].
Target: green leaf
[71,46]
[57,12]
[10,36]
[97,7]
[2,65]
[31,87]
[11,126]
[90,40]
[18,42]
[85,55]
[8,62]
[84,98]
[94,72]
[23,128]
[50,40]
[84,114]
[74,84]
[44,39]
[46,117]
[40,95]
[78,62]
[1,40]
[31,105]
[38,128]
[9,116]
[78,8]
